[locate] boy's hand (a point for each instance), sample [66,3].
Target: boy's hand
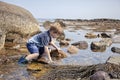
[58,49]
[50,61]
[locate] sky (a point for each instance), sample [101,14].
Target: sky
[71,9]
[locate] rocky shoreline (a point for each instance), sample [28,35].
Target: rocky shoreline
[17,27]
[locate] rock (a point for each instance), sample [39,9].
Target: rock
[67,39]
[16,20]
[106,41]
[58,54]
[72,49]
[97,47]
[117,31]
[115,49]
[61,37]
[81,44]
[90,35]
[38,70]
[2,40]
[43,60]
[105,35]
[23,50]
[64,43]
[60,23]
[116,39]
[114,60]
[100,75]
[47,24]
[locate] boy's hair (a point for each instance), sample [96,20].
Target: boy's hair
[56,29]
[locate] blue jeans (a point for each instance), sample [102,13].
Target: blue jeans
[33,48]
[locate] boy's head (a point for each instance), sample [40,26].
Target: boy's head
[55,31]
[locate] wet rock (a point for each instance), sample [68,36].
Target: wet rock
[12,40]
[97,47]
[61,37]
[82,72]
[72,49]
[38,70]
[23,50]
[100,75]
[81,44]
[117,31]
[67,39]
[58,54]
[106,41]
[90,35]
[115,49]
[113,75]
[43,60]
[64,43]
[105,35]
[116,39]
[114,60]
[2,40]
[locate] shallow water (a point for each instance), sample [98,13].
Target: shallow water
[12,71]
[87,56]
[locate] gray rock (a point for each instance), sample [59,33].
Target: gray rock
[114,60]
[98,47]
[81,44]
[115,49]
[100,75]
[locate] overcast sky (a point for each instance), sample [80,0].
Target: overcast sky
[71,9]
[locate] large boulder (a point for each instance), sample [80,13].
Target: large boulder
[16,20]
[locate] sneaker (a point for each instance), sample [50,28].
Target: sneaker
[22,60]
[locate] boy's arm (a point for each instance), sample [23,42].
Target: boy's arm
[48,53]
[53,44]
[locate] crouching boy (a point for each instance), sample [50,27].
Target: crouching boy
[38,44]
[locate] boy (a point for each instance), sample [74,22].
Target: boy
[38,44]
